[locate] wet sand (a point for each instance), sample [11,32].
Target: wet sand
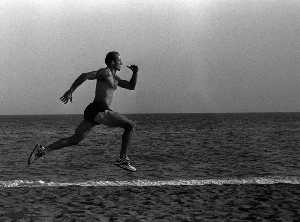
[276,202]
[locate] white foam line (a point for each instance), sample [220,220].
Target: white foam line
[143,183]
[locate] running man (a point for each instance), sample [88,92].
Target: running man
[98,112]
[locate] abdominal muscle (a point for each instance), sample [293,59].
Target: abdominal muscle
[104,93]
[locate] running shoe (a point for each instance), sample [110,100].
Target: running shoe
[124,163]
[38,152]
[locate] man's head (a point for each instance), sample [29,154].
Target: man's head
[113,60]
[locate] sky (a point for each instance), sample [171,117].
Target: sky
[194,56]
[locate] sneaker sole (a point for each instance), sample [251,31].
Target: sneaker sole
[126,167]
[29,160]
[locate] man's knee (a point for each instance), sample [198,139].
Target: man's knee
[130,126]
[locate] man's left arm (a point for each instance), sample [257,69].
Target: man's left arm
[132,83]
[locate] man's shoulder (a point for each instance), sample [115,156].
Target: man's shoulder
[117,78]
[103,72]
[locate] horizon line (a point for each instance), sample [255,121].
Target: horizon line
[155,113]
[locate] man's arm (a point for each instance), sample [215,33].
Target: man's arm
[132,83]
[84,76]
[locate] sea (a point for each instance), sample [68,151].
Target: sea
[190,167]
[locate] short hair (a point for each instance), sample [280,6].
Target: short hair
[111,56]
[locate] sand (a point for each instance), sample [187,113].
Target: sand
[277,202]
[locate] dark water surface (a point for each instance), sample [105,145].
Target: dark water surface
[165,147]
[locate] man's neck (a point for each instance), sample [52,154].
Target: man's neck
[113,71]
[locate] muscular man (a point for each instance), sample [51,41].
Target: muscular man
[98,112]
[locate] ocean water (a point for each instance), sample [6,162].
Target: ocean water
[167,149]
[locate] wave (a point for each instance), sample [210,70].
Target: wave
[142,183]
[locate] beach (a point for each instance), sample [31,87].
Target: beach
[248,163]
[275,202]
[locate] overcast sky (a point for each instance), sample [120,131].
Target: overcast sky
[194,56]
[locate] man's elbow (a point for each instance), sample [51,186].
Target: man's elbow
[132,87]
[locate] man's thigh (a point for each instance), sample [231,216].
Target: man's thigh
[112,119]
[84,128]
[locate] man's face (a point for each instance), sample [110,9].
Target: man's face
[118,63]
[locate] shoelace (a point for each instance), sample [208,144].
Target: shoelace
[124,161]
[40,152]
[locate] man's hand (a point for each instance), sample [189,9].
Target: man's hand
[134,68]
[66,97]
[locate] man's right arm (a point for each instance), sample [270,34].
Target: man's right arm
[84,76]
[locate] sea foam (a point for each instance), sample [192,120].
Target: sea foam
[142,183]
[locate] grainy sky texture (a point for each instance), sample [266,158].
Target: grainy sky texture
[194,56]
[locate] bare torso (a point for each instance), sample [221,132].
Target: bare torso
[104,89]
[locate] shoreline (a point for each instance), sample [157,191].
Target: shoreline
[165,203]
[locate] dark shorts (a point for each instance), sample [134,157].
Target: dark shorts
[93,109]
